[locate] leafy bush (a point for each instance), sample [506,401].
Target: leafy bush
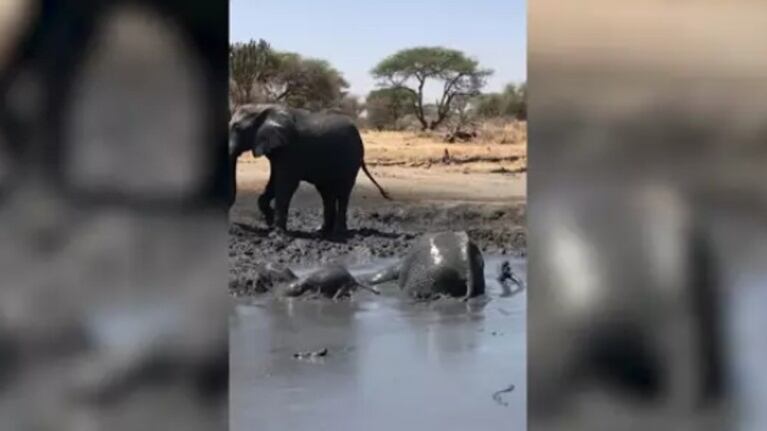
[512,103]
[262,74]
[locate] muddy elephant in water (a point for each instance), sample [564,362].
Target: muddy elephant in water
[445,263]
[322,149]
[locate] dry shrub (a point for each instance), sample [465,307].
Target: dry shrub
[502,132]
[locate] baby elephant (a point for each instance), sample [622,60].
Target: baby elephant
[332,281]
[445,263]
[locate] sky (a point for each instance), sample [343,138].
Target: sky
[354,35]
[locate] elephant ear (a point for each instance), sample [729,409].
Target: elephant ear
[273,133]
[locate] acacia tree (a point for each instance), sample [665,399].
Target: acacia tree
[410,69]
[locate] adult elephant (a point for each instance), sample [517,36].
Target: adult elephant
[320,148]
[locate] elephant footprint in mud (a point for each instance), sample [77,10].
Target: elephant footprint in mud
[322,149]
[439,264]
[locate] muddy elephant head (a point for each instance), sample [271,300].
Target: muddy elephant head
[262,129]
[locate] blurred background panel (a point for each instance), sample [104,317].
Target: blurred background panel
[647,215]
[113,305]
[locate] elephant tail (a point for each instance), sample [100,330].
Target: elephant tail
[380,189]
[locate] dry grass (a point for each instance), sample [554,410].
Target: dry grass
[500,147]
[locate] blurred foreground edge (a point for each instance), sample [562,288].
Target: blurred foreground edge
[647,216]
[113,306]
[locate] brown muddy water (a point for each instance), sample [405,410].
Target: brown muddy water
[390,363]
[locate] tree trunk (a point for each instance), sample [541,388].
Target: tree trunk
[435,123]
[419,105]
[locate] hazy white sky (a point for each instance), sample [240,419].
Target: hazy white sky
[354,35]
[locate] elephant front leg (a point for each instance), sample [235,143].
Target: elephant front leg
[265,202]
[284,189]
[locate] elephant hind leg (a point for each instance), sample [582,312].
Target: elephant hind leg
[328,209]
[343,206]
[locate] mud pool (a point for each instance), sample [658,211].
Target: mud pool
[390,363]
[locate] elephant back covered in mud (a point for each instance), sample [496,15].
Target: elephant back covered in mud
[446,263]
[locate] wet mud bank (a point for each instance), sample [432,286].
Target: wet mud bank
[378,233]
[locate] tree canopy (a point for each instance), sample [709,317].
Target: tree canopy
[250,64]
[259,73]
[262,74]
[409,70]
[306,83]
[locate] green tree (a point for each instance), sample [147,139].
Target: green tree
[250,64]
[512,102]
[515,101]
[491,105]
[306,83]
[262,74]
[387,105]
[410,69]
